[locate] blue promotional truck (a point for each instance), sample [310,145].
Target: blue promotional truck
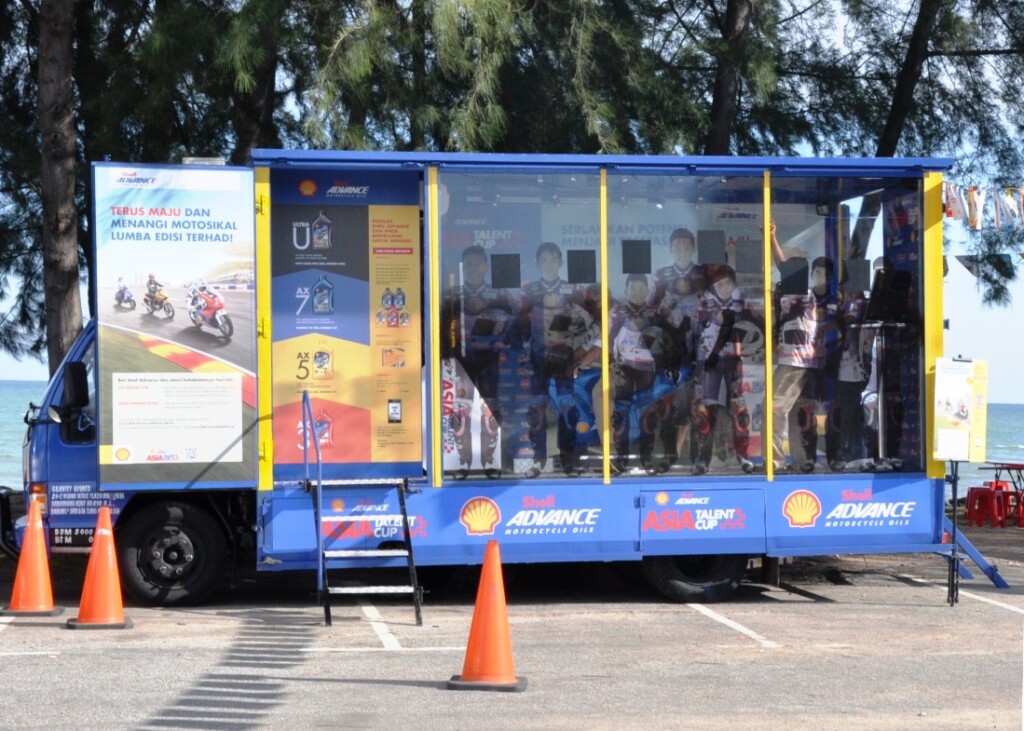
[683,362]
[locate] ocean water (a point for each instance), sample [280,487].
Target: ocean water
[1004,440]
[1005,436]
[14,400]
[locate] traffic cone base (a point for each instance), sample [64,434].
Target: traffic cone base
[457,683]
[101,607]
[76,624]
[8,612]
[488,664]
[32,595]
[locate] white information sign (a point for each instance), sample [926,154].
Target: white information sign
[961,392]
[177,417]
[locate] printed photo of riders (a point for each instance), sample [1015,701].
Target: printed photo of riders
[689,279]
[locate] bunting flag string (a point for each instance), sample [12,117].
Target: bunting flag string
[978,207]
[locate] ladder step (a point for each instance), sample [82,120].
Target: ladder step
[358,483]
[385,589]
[366,553]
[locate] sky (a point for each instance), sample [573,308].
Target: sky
[992,334]
[27,369]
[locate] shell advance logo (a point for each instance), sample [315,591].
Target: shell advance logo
[855,509]
[801,509]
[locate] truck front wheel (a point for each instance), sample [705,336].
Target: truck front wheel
[171,553]
[695,578]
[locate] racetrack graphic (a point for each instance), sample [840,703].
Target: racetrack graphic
[197,362]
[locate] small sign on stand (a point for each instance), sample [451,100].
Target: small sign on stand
[961,415]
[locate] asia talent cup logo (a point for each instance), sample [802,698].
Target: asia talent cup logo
[691,512]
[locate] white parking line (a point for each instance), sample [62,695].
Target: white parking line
[734,625]
[968,594]
[4,621]
[387,639]
[383,649]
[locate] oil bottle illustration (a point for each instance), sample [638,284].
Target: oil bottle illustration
[323,297]
[322,229]
[323,363]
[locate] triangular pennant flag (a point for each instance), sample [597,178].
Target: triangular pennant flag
[975,207]
[970,263]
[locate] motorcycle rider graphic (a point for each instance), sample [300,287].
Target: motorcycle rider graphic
[203,299]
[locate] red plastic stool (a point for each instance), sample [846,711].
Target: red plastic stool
[1006,500]
[983,504]
[1008,505]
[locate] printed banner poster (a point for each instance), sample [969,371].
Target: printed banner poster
[174,273]
[961,393]
[346,297]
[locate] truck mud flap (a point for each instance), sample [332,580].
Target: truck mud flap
[8,544]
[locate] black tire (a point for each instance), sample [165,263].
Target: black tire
[131,304]
[171,554]
[226,327]
[169,310]
[695,578]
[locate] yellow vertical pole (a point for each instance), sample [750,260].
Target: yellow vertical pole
[769,348]
[264,345]
[434,247]
[931,243]
[606,439]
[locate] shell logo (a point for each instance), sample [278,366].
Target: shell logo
[480,515]
[121,454]
[661,498]
[337,505]
[801,508]
[307,188]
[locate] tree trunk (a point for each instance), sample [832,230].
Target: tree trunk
[900,107]
[725,98]
[59,171]
[253,117]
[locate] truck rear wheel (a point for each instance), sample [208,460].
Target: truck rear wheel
[171,553]
[695,578]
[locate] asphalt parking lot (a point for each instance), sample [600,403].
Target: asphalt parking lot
[862,642]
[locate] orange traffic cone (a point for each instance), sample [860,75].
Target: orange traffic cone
[488,663]
[32,595]
[101,606]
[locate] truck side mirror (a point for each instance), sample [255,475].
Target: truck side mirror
[76,386]
[76,425]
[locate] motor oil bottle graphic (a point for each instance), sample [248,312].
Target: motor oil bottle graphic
[323,297]
[322,231]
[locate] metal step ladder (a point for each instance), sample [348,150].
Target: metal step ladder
[316,486]
[326,555]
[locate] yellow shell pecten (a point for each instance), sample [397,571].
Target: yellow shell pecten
[480,515]
[802,508]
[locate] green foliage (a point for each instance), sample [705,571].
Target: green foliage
[155,81]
